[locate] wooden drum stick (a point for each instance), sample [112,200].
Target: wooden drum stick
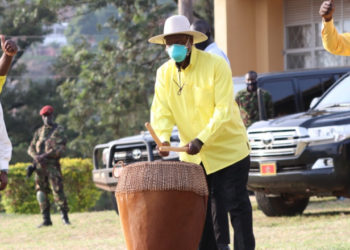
[174,149]
[153,134]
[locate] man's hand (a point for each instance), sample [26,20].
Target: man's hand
[8,46]
[3,180]
[326,10]
[40,158]
[194,147]
[164,153]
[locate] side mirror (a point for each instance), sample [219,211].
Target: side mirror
[313,102]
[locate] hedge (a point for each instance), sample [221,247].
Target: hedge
[81,193]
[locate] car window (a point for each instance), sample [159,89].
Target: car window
[309,88]
[283,96]
[314,87]
[338,96]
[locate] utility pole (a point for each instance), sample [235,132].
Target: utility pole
[185,8]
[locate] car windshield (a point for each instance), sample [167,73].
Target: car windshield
[338,97]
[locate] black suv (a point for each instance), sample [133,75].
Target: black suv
[302,155]
[291,92]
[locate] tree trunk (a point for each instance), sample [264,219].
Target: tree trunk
[185,8]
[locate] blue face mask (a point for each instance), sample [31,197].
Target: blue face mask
[177,52]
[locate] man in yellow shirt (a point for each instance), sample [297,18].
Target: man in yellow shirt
[338,44]
[194,91]
[9,49]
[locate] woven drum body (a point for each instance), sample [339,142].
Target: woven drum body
[162,205]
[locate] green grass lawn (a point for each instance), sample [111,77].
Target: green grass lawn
[325,224]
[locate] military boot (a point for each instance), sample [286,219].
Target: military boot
[47,220]
[65,218]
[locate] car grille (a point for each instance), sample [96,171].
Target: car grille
[279,142]
[133,153]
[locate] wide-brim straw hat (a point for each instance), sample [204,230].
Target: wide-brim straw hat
[178,24]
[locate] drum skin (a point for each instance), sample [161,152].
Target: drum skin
[171,218]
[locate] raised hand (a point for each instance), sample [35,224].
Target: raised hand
[9,47]
[326,10]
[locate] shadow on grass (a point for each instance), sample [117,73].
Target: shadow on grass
[326,213]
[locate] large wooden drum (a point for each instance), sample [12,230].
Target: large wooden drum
[162,205]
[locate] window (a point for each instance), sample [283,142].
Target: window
[283,96]
[309,88]
[303,42]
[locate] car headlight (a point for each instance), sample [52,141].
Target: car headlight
[105,156]
[334,133]
[136,154]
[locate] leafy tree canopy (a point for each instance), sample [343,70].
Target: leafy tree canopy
[106,73]
[111,93]
[26,22]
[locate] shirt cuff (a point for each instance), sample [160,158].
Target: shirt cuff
[4,165]
[203,136]
[327,24]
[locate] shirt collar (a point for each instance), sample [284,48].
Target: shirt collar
[210,46]
[50,126]
[193,59]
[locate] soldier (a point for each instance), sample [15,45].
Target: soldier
[248,101]
[46,148]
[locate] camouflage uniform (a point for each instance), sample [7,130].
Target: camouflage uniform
[248,105]
[49,139]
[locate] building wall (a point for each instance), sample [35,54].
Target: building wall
[251,33]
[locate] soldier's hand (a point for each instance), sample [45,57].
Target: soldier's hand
[3,180]
[194,147]
[326,10]
[164,153]
[40,158]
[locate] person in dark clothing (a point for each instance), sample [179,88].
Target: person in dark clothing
[219,215]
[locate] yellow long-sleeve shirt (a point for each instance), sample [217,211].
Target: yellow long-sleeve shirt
[333,42]
[205,109]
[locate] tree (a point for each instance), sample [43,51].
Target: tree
[204,9]
[108,87]
[26,22]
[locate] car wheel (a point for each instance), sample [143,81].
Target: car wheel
[281,206]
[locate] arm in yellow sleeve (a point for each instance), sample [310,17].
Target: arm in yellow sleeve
[223,110]
[2,82]
[333,42]
[162,119]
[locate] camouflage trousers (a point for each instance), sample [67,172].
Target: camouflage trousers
[49,175]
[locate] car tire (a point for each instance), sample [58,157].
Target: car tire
[280,205]
[114,202]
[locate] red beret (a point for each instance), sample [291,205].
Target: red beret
[46,110]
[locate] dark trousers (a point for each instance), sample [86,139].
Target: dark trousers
[229,187]
[220,221]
